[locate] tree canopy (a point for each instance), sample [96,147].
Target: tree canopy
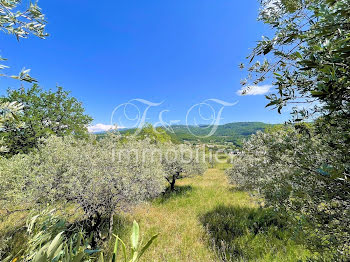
[308,56]
[304,169]
[43,113]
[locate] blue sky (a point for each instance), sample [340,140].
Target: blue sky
[179,52]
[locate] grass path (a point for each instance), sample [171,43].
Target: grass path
[177,218]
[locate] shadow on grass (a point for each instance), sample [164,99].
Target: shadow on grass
[12,241]
[236,232]
[177,192]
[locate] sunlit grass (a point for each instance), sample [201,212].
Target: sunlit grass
[178,218]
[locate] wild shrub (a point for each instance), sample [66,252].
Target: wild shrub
[297,172]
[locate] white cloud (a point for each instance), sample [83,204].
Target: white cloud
[101,128]
[254,90]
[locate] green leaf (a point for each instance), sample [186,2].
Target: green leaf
[78,240]
[115,251]
[135,235]
[54,245]
[298,55]
[123,247]
[101,259]
[317,93]
[134,258]
[147,245]
[79,257]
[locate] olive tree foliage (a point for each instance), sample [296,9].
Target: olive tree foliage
[156,135]
[182,160]
[297,173]
[307,57]
[178,160]
[21,20]
[97,177]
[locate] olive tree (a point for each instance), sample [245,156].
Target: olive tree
[296,173]
[179,161]
[307,57]
[98,177]
[307,173]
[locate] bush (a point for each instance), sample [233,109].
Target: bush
[98,177]
[298,173]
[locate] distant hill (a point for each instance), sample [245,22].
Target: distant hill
[228,133]
[232,132]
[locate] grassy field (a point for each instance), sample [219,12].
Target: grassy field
[206,219]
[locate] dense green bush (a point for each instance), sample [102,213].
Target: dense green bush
[43,113]
[98,177]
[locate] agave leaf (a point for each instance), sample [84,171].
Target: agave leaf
[135,235]
[135,256]
[123,247]
[66,254]
[55,244]
[101,259]
[79,257]
[31,223]
[71,248]
[115,251]
[78,240]
[58,253]
[41,256]
[7,259]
